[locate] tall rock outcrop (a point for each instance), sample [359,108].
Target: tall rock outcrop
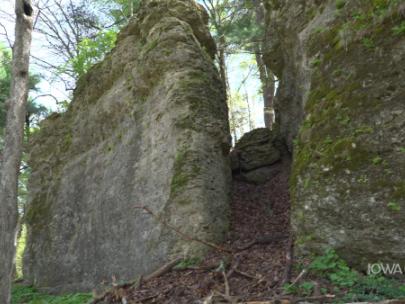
[147,127]
[341,66]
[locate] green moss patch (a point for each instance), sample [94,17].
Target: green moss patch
[29,295]
[184,171]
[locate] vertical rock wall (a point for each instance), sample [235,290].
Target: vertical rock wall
[342,98]
[147,127]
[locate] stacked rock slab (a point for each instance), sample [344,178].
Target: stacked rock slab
[342,96]
[147,127]
[254,156]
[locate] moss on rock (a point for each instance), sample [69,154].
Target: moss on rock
[348,111]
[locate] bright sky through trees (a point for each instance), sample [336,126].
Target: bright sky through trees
[241,75]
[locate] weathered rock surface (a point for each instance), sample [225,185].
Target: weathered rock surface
[342,96]
[254,154]
[254,150]
[148,126]
[261,175]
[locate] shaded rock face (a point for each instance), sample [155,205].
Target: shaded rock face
[147,127]
[254,154]
[341,95]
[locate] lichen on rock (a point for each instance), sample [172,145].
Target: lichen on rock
[148,127]
[340,108]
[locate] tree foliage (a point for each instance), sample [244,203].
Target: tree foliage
[120,11]
[5,81]
[80,33]
[34,110]
[91,51]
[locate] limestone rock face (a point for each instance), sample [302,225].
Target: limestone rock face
[147,127]
[342,96]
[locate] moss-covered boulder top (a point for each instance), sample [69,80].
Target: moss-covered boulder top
[341,109]
[147,127]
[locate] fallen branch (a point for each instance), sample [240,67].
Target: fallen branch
[244,274]
[233,268]
[182,234]
[148,298]
[265,240]
[159,272]
[299,277]
[227,289]
[162,270]
[288,262]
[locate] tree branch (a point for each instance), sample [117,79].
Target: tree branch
[6,35]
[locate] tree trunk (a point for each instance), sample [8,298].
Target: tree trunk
[266,77]
[223,73]
[222,63]
[267,80]
[13,141]
[250,122]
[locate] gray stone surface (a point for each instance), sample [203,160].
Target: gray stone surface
[341,96]
[254,150]
[261,175]
[147,126]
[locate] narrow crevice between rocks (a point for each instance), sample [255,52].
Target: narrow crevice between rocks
[260,224]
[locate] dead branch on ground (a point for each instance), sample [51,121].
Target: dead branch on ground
[159,272]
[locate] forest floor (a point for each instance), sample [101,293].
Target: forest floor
[253,264]
[260,214]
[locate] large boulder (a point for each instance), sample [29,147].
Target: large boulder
[255,149]
[342,97]
[254,156]
[147,127]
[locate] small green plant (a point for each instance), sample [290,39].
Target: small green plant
[359,17]
[340,4]
[29,295]
[335,269]
[375,288]
[363,179]
[377,160]
[364,130]
[303,289]
[328,140]
[394,206]
[315,62]
[353,285]
[399,29]
[343,119]
[402,149]
[348,284]
[368,43]
[306,288]
[187,263]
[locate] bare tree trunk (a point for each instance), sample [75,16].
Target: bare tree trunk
[131,8]
[13,142]
[248,107]
[266,77]
[267,80]
[222,63]
[223,73]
